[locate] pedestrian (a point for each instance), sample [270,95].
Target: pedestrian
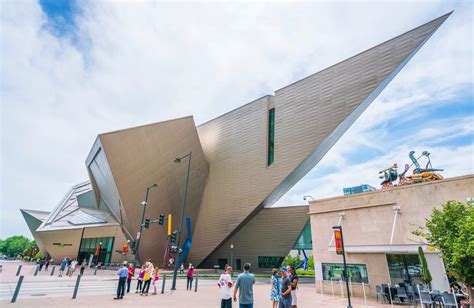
[190,277]
[41,264]
[131,273]
[244,284]
[72,267]
[225,285]
[141,275]
[147,278]
[275,290]
[181,268]
[122,273]
[285,290]
[62,267]
[294,286]
[47,264]
[83,267]
[156,276]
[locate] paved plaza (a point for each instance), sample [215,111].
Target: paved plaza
[51,291]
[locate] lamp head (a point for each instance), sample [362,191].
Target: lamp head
[154,185]
[177,160]
[231,246]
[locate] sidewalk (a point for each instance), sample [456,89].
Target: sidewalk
[207,296]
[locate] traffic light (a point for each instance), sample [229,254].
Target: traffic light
[173,237]
[161,220]
[169,224]
[147,223]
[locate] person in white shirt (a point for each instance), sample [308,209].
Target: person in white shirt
[225,285]
[73,267]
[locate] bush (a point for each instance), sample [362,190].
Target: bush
[292,261]
[302,272]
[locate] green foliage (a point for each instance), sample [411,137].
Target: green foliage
[311,262]
[39,255]
[293,261]
[13,246]
[451,230]
[302,272]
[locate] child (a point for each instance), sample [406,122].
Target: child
[140,279]
[156,276]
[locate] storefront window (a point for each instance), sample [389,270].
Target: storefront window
[87,250]
[404,268]
[269,262]
[356,272]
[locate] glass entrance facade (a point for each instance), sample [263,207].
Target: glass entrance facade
[96,250]
[404,268]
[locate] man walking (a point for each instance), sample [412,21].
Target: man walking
[131,273]
[123,274]
[285,290]
[225,284]
[244,284]
[62,266]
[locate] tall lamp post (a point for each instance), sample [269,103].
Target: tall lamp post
[183,207]
[139,234]
[339,239]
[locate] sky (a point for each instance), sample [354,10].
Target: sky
[73,69]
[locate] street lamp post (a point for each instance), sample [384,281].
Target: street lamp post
[183,207]
[139,234]
[340,249]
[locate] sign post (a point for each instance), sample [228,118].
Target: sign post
[339,240]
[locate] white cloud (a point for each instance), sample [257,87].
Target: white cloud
[143,62]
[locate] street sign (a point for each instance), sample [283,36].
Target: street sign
[338,240]
[138,235]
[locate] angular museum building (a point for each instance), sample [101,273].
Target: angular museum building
[242,163]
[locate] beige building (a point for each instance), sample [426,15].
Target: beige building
[78,228]
[377,229]
[242,161]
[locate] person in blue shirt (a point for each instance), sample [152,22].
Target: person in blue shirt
[123,274]
[62,266]
[244,284]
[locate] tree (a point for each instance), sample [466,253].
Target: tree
[451,231]
[13,246]
[292,261]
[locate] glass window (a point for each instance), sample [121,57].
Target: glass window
[356,272]
[88,247]
[271,136]
[269,262]
[404,268]
[304,241]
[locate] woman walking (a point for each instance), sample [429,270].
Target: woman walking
[275,290]
[294,285]
[141,275]
[190,277]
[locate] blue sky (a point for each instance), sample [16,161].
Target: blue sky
[71,70]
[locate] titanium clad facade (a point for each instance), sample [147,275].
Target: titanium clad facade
[34,219]
[138,157]
[270,233]
[310,116]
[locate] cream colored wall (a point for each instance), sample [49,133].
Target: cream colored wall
[73,236]
[369,219]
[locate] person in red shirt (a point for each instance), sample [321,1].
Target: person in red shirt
[131,273]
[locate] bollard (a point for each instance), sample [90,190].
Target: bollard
[52,270]
[19,269]
[96,268]
[365,297]
[78,280]
[340,284]
[17,289]
[332,288]
[37,269]
[163,284]
[321,285]
[196,285]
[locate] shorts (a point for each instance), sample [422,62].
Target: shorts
[294,298]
